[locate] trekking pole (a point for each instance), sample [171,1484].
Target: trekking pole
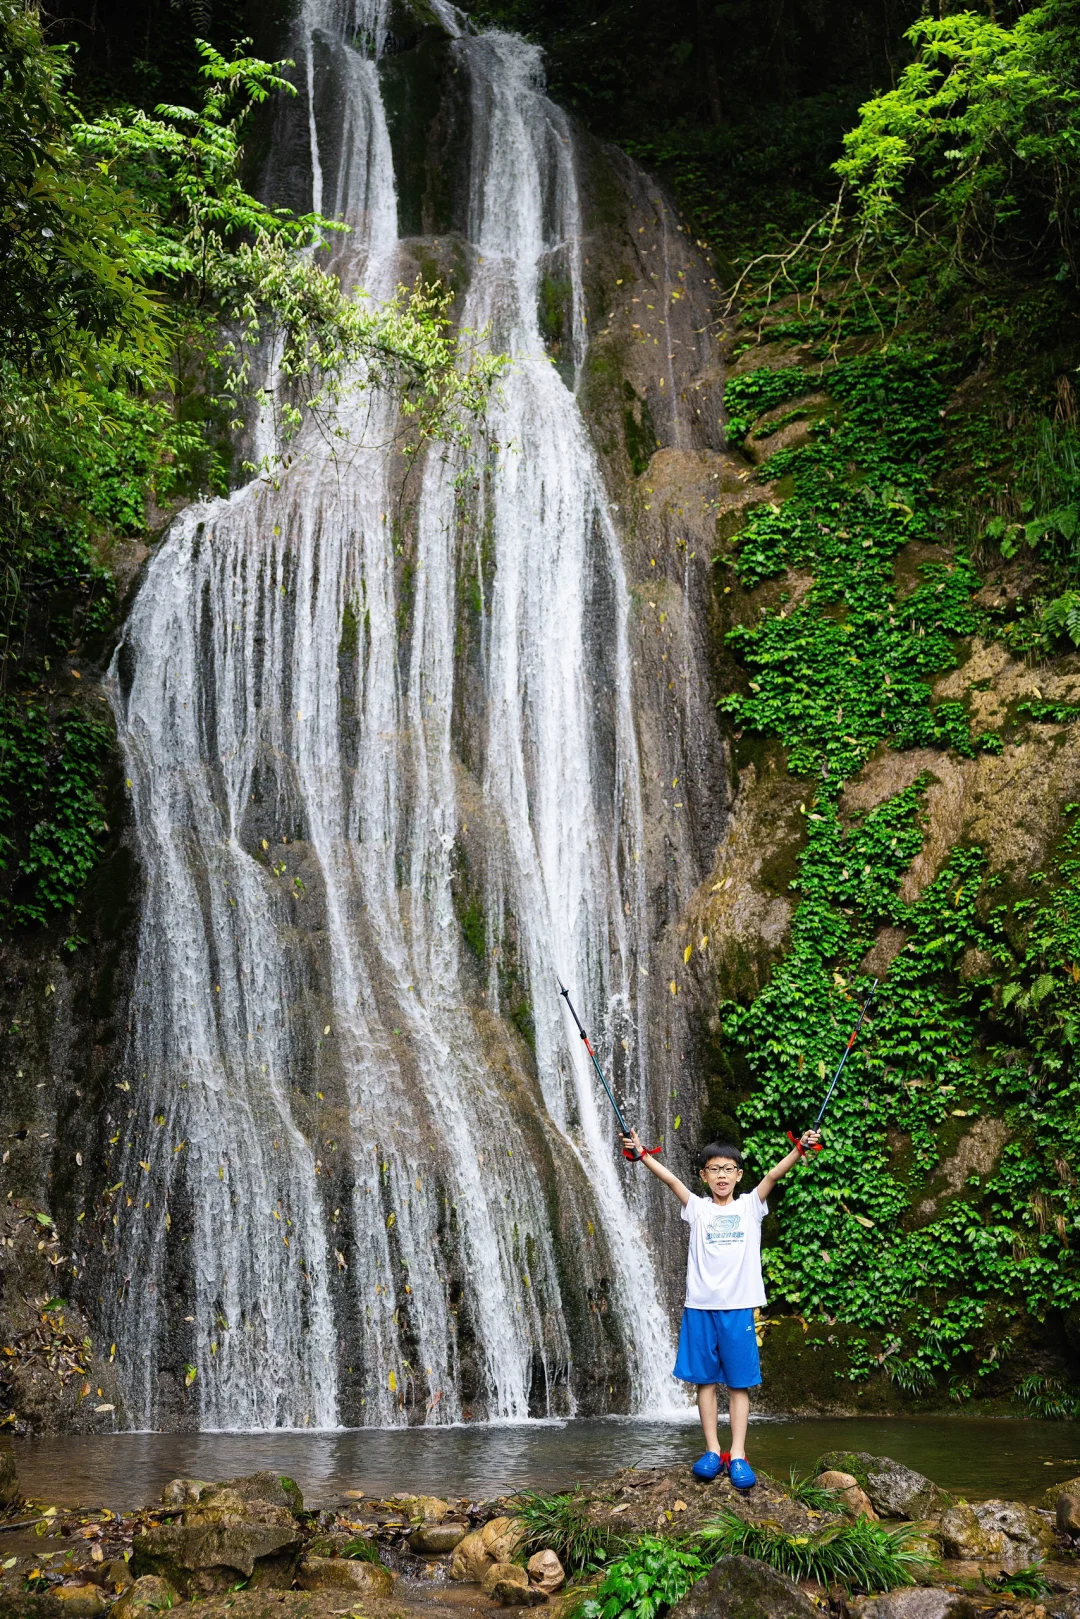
[634,1157]
[817,1145]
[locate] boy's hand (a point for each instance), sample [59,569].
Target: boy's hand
[809,1138]
[633,1140]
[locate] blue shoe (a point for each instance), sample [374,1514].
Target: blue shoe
[707,1466]
[740,1472]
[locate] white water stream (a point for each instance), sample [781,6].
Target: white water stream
[307,1014]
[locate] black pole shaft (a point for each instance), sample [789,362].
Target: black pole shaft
[565,993]
[847,1054]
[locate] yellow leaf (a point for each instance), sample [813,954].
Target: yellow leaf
[678,1120]
[144,1163]
[687,953]
[869,1224]
[703,943]
[821,1069]
[960,1112]
[673,986]
[678,1506]
[392,1382]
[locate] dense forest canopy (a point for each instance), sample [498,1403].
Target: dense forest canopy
[892,201]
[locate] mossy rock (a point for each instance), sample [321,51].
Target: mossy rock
[895,1491]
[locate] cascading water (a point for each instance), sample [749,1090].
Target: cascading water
[358,1215]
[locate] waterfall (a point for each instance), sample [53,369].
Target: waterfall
[349,1192]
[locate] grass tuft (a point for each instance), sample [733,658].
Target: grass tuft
[562,1522]
[850,1554]
[812,1495]
[1026,1582]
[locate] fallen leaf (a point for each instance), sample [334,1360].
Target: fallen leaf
[103,1408]
[687,953]
[678,1506]
[392,1382]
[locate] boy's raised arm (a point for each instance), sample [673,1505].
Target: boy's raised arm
[778,1171]
[661,1172]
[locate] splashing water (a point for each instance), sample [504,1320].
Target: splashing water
[359,1201]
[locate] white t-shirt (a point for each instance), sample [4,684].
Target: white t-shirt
[723,1266]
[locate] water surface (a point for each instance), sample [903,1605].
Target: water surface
[977,1457]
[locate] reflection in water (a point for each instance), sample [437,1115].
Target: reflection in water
[977,1456]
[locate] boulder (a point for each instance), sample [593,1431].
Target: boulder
[115,1576]
[742,1588]
[545,1571]
[181,1492]
[916,1602]
[1068,1486]
[895,1491]
[144,1597]
[349,1574]
[1003,1534]
[277,1488]
[502,1537]
[210,1556]
[471,1558]
[85,1600]
[225,1506]
[437,1538]
[853,1499]
[1068,1514]
[430,1508]
[509,1584]
[1063,1606]
[10,1494]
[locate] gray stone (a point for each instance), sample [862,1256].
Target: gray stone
[1068,1514]
[1064,1606]
[917,1602]
[996,1534]
[437,1538]
[545,1570]
[10,1494]
[205,1558]
[85,1600]
[181,1492]
[276,1488]
[147,1596]
[1068,1486]
[742,1588]
[895,1491]
[351,1574]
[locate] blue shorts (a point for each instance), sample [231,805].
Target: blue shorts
[718,1346]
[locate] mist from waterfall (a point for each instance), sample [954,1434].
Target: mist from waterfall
[350,1196]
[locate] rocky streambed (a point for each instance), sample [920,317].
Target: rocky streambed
[247,1547]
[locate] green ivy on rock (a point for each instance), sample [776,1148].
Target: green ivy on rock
[978,1012]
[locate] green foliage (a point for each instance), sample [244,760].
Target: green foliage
[1026,1582]
[1050,1398]
[811,1494]
[362,1550]
[843,673]
[653,1576]
[974,153]
[50,814]
[562,1522]
[755,392]
[859,1554]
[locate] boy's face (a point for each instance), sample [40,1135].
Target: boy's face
[721,1176]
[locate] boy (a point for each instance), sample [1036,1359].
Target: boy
[717,1341]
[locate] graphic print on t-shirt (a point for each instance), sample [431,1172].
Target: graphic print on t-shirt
[723,1229]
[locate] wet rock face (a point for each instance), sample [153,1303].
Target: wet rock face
[741,1588]
[1069,1486]
[894,1491]
[916,1603]
[1005,1534]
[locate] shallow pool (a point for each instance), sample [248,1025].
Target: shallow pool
[978,1457]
